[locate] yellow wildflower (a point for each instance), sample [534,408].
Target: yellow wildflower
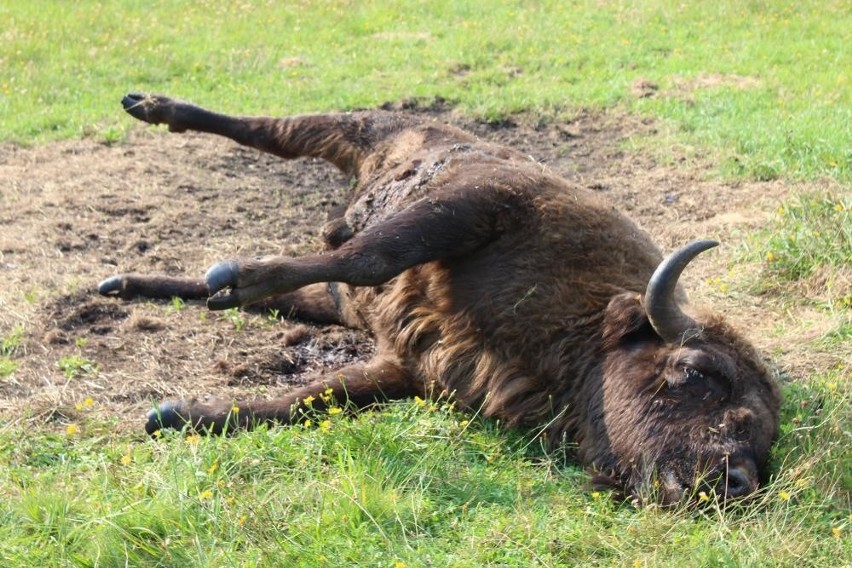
[325,425]
[88,403]
[242,520]
[126,459]
[784,495]
[213,467]
[193,439]
[308,400]
[702,496]
[71,429]
[419,401]
[335,410]
[835,532]
[235,409]
[770,256]
[308,423]
[399,565]
[206,494]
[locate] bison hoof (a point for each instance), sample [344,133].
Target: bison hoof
[141,107]
[153,109]
[166,415]
[220,277]
[112,286]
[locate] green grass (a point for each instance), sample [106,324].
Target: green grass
[806,250]
[9,346]
[763,85]
[810,232]
[411,484]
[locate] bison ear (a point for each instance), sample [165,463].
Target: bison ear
[625,320]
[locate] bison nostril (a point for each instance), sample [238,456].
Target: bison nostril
[737,482]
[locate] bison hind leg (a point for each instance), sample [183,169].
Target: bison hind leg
[317,303]
[128,286]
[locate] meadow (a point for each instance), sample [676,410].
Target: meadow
[747,100]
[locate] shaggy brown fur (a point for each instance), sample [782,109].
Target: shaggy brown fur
[484,276]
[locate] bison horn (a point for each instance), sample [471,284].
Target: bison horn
[665,315]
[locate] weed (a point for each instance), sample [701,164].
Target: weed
[9,346]
[112,135]
[75,365]
[176,304]
[7,366]
[10,343]
[236,317]
[273,316]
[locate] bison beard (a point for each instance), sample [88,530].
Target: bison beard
[484,277]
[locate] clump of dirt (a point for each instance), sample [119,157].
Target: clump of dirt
[75,212]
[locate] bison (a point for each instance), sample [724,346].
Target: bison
[485,277]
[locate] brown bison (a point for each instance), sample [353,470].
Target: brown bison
[485,277]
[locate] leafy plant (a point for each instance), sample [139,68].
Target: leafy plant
[176,304]
[7,366]
[74,365]
[9,345]
[236,317]
[273,316]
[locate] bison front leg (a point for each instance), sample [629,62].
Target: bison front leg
[357,386]
[449,225]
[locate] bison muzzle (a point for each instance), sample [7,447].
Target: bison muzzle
[484,277]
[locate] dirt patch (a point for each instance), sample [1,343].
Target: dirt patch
[685,88]
[73,213]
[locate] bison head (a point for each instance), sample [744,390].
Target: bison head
[685,404]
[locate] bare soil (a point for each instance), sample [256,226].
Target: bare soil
[75,212]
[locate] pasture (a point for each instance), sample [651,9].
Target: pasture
[731,122]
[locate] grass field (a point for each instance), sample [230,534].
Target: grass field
[759,90]
[764,86]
